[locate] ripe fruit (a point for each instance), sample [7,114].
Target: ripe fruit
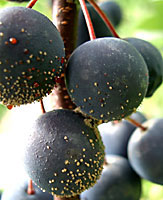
[18,191]
[63,155]
[117,182]
[145,151]
[99,26]
[115,135]
[31,56]
[154,62]
[107,78]
[113,11]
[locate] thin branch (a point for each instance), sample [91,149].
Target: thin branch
[104,17]
[88,20]
[31,3]
[30,190]
[137,124]
[42,106]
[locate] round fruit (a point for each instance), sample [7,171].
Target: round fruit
[145,151]
[118,181]
[154,62]
[107,78]
[115,135]
[113,11]
[18,191]
[31,56]
[100,28]
[63,155]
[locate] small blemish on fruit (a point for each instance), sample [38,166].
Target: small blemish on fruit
[91,111]
[13,40]
[95,84]
[22,30]
[101,115]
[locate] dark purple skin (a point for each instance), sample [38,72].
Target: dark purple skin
[115,135]
[117,182]
[145,150]
[154,61]
[30,55]
[113,10]
[107,78]
[100,28]
[19,192]
[63,155]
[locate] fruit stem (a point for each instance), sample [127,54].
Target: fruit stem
[31,3]
[70,198]
[42,106]
[30,190]
[104,17]
[9,107]
[88,20]
[137,124]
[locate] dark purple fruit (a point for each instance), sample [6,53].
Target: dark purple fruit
[115,135]
[31,56]
[145,151]
[117,182]
[107,78]
[100,28]
[18,191]
[113,11]
[63,155]
[154,62]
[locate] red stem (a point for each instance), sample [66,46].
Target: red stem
[88,20]
[30,189]
[104,17]
[31,3]
[137,124]
[42,106]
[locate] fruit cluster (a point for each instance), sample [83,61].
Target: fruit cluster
[106,78]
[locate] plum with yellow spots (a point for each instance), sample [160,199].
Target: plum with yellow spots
[107,78]
[31,55]
[64,153]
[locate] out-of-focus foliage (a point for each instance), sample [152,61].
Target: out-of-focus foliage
[42,6]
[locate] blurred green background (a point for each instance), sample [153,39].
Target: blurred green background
[142,19]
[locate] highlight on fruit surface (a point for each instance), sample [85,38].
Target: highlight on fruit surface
[64,155]
[145,151]
[154,61]
[31,56]
[107,78]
